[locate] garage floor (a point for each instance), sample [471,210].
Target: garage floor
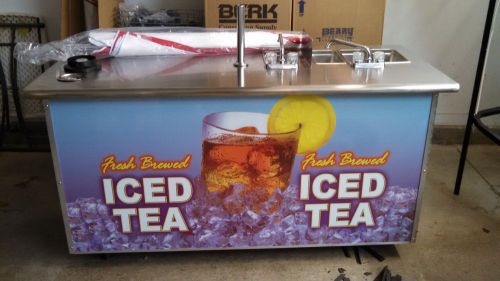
[458,239]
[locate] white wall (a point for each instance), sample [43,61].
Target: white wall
[447,33]
[47,10]
[490,93]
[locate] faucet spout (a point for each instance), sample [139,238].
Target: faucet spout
[240,37]
[365,48]
[281,56]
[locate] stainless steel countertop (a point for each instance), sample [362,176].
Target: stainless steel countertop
[216,75]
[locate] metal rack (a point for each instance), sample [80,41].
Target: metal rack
[474,117]
[13,77]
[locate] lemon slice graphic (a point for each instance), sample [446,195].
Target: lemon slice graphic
[314,114]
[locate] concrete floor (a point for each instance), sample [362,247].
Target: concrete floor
[458,239]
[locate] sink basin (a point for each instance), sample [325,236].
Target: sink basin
[327,57]
[343,56]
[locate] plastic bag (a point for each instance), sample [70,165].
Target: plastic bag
[157,41]
[34,53]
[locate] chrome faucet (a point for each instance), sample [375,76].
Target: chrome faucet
[281,60]
[352,44]
[240,37]
[281,55]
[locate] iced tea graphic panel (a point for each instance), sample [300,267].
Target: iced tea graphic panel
[239,153]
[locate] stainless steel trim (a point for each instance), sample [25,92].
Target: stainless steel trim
[340,90]
[245,248]
[423,173]
[58,174]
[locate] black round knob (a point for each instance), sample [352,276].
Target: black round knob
[82,64]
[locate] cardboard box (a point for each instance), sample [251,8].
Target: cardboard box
[360,21]
[108,13]
[260,14]
[72,18]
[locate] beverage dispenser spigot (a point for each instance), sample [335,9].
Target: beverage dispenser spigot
[241,37]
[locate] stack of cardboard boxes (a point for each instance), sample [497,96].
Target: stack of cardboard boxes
[360,21]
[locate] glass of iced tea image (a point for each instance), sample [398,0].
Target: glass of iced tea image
[239,155]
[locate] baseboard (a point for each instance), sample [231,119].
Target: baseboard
[449,135]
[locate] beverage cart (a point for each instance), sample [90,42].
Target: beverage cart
[288,148]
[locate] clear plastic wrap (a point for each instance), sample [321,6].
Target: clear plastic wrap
[157,41]
[34,53]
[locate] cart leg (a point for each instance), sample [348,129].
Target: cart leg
[374,253]
[105,256]
[356,255]
[346,252]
